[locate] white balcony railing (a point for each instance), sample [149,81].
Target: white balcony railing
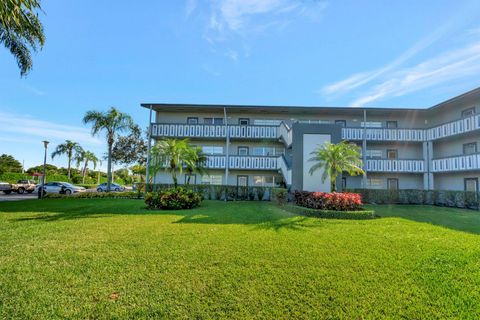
[454,128]
[242,162]
[213,131]
[384,134]
[385,165]
[458,163]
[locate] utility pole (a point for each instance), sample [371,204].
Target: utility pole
[42,191]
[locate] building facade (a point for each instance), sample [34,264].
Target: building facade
[433,148]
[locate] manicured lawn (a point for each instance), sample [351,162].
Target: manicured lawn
[108,259]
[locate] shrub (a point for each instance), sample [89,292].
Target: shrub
[97,195]
[173,199]
[331,214]
[328,201]
[280,196]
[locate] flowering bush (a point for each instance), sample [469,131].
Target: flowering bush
[328,201]
[173,199]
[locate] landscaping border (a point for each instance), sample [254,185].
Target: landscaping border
[330,214]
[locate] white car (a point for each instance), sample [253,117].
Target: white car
[113,187]
[60,187]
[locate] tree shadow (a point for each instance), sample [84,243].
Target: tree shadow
[464,220]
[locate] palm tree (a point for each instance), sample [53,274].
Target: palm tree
[113,122]
[194,161]
[21,30]
[70,149]
[86,157]
[168,154]
[335,159]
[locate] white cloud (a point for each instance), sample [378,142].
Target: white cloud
[28,129]
[451,65]
[190,7]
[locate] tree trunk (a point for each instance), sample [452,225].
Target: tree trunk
[84,171]
[69,161]
[109,164]
[175,183]
[333,184]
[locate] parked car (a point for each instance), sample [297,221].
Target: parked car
[113,187]
[6,187]
[60,187]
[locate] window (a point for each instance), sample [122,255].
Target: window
[344,183]
[392,154]
[243,151]
[244,121]
[193,178]
[392,184]
[468,112]
[264,151]
[470,148]
[242,181]
[471,184]
[212,179]
[263,181]
[374,183]
[374,154]
[209,150]
[371,124]
[192,120]
[341,123]
[267,122]
[213,120]
[392,124]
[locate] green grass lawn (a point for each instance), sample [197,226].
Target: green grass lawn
[107,259]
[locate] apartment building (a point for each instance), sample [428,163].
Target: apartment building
[431,148]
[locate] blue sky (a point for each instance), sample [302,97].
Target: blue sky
[275,52]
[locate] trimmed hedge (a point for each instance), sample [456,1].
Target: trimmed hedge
[331,214]
[95,195]
[173,199]
[218,192]
[328,200]
[457,199]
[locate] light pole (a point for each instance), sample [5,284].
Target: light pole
[42,191]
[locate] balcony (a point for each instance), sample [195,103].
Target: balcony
[176,130]
[457,163]
[384,134]
[242,162]
[400,166]
[455,127]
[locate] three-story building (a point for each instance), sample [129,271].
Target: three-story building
[433,148]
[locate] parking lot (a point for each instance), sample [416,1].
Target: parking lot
[17,197]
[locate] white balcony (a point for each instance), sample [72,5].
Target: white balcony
[384,134]
[242,162]
[213,131]
[455,127]
[403,166]
[457,163]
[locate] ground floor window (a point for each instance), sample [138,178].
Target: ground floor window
[242,181]
[392,184]
[471,184]
[190,178]
[212,179]
[263,181]
[373,183]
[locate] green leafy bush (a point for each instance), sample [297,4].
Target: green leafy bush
[173,199]
[280,196]
[95,195]
[331,214]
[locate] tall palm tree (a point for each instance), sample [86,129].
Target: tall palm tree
[86,156]
[335,159]
[168,154]
[195,161]
[70,149]
[112,122]
[21,30]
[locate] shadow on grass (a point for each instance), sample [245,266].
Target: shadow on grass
[263,215]
[452,218]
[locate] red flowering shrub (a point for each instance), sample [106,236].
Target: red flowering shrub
[328,201]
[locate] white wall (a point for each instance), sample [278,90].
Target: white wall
[313,182]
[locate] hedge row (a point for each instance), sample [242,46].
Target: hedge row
[331,214]
[458,199]
[92,195]
[219,192]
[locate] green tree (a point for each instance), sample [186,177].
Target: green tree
[21,30]
[86,157]
[112,122]
[69,148]
[168,154]
[50,168]
[139,171]
[9,164]
[334,159]
[130,149]
[194,161]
